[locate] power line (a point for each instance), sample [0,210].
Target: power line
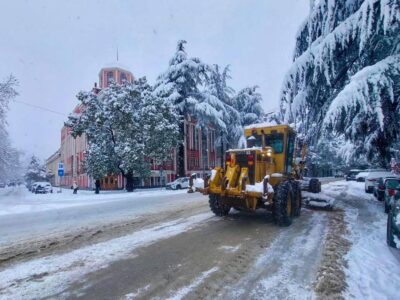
[41,108]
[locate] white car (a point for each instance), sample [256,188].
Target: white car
[33,187]
[180,183]
[372,177]
[360,177]
[43,188]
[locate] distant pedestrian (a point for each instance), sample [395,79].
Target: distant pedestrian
[97,184]
[75,187]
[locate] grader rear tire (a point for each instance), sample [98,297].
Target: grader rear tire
[283,204]
[314,186]
[217,207]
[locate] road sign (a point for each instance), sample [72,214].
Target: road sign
[60,169]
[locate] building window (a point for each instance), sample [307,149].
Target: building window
[110,77]
[196,139]
[124,77]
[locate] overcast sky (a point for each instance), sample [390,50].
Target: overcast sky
[56,48]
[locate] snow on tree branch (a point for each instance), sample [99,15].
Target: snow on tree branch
[363,94]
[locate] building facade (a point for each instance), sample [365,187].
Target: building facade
[52,168]
[199,149]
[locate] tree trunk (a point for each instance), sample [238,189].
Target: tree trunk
[180,151]
[129,182]
[222,152]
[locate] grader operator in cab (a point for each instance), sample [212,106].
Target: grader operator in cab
[263,175]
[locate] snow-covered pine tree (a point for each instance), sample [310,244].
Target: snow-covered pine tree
[217,86]
[344,78]
[201,91]
[179,85]
[36,171]
[248,103]
[126,126]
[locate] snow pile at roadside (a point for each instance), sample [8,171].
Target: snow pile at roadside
[334,188]
[47,276]
[373,269]
[198,183]
[319,199]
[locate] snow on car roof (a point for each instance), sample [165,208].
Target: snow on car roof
[381,174]
[362,174]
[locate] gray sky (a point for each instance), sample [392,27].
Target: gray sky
[56,48]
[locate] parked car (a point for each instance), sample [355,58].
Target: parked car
[392,188]
[2,185]
[380,187]
[352,174]
[180,183]
[43,188]
[393,223]
[372,178]
[360,177]
[33,187]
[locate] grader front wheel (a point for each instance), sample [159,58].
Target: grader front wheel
[217,207]
[283,204]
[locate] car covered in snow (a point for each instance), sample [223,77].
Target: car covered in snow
[180,183]
[43,188]
[360,177]
[351,175]
[393,223]
[2,185]
[392,188]
[371,181]
[32,187]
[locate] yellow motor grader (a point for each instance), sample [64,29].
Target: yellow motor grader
[263,175]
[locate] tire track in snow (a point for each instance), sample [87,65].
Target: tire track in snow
[286,270]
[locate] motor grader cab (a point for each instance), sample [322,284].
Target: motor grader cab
[263,175]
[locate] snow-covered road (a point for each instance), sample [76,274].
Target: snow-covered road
[24,215]
[170,246]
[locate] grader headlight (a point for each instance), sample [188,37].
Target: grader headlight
[269,152]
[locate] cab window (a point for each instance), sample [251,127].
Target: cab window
[275,141]
[290,152]
[254,141]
